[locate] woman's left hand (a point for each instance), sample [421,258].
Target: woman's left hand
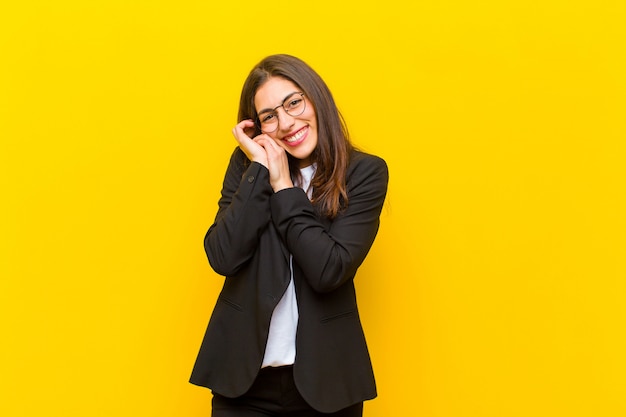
[278,165]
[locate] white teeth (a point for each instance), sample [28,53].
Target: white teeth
[297,136]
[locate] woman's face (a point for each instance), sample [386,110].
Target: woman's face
[295,134]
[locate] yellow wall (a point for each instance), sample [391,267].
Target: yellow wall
[496,287]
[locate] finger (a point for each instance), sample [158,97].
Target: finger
[274,151]
[249,131]
[271,144]
[244,130]
[246,123]
[264,140]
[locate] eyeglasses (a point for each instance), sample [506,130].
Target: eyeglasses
[293,105]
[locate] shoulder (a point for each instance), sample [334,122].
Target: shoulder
[366,173]
[362,163]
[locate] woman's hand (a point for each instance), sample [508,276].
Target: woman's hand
[243,132]
[277,163]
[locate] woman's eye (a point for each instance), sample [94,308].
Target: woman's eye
[294,103]
[267,117]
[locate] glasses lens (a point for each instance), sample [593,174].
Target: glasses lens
[268,122]
[294,105]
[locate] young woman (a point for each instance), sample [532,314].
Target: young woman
[298,214]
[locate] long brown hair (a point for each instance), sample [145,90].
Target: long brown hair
[333,148]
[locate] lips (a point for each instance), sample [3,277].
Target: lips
[296,138]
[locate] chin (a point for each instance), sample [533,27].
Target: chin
[301,156]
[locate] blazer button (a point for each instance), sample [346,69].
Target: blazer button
[251,179]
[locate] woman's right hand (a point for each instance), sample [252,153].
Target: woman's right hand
[243,132]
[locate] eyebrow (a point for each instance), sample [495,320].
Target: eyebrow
[281,103]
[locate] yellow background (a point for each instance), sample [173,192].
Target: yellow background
[497,285]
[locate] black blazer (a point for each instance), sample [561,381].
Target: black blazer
[249,243]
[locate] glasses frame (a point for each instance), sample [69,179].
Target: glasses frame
[258,119]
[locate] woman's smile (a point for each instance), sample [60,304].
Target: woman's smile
[296,138]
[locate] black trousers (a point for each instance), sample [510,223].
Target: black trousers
[274,394]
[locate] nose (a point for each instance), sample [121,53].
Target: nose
[285,121]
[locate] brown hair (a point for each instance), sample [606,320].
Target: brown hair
[333,148]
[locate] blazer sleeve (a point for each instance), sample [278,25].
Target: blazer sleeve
[330,255]
[243,214]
